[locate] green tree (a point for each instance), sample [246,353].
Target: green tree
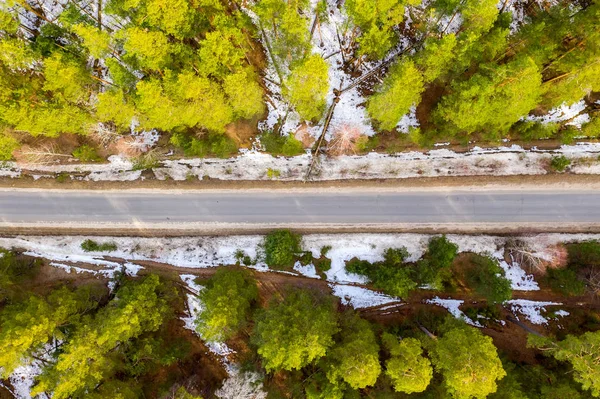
[26,326]
[493,100]
[401,89]
[95,40]
[174,17]
[227,299]
[244,94]
[66,77]
[296,332]
[486,277]
[582,353]
[281,246]
[7,145]
[150,48]
[434,268]
[355,358]
[408,369]
[306,87]
[436,57]
[376,20]
[86,360]
[289,30]
[468,361]
[113,107]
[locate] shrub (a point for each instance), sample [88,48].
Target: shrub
[565,282]
[86,153]
[227,299]
[93,246]
[486,277]
[530,130]
[7,145]
[281,246]
[275,144]
[394,280]
[559,164]
[391,276]
[435,267]
[585,253]
[218,145]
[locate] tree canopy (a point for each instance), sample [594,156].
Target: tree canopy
[295,332]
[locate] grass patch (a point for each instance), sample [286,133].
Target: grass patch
[93,246]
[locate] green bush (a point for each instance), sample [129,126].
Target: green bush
[559,164]
[86,153]
[281,247]
[565,282]
[7,145]
[92,246]
[391,275]
[530,130]
[218,145]
[434,268]
[583,254]
[287,146]
[486,277]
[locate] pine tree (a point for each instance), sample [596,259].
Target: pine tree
[28,325]
[493,100]
[296,332]
[355,358]
[468,361]
[401,89]
[408,369]
[86,359]
[307,86]
[583,353]
[227,299]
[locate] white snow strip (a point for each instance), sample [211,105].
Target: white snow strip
[531,310]
[360,298]
[452,306]
[308,270]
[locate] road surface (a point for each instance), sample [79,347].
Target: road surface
[319,209]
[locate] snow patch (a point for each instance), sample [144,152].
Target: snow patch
[360,298]
[453,306]
[531,310]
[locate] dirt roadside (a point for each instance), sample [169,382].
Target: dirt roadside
[455,182]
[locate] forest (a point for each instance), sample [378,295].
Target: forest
[82,78]
[288,337]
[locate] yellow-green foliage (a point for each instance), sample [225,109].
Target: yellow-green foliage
[400,90]
[85,360]
[27,326]
[112,106]
[7,145]
[408,369]
[15,54]
[355,359]
[227,298]
[468,361]
[307,86]
[493,100]
[96,41]
[151,48]
[296,332]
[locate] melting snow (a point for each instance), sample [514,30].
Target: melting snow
[360,298]
[531,310]
[453,305]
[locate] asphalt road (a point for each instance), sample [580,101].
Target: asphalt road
[139,209]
